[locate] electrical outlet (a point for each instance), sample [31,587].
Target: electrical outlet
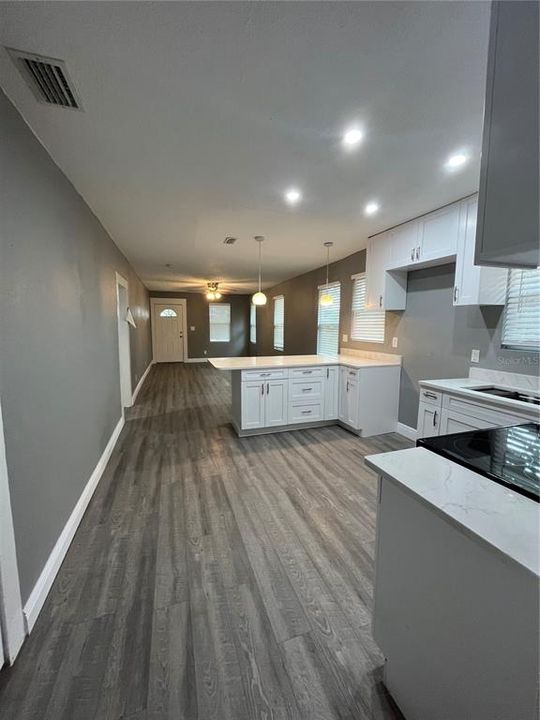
[205,352]
[192,328]
[344,338]
[394,342]
[475,356]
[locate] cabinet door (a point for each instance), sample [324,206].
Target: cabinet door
[439,234]
[375,272]
[507,232]
[276,392]
[352,403]
[331,396]
[429,416]
[343,409]
[454,422]
[253,404]
[403,244]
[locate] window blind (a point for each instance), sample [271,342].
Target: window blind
[521,328]
[253,323]
[366,325]
[220,322]
[328,321]
[279,321]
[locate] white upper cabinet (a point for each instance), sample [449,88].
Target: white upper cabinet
[438,235]
[404,242]
[384,290]
[475,285]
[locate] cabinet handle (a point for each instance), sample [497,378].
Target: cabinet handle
[430,395]
[307,372]
[412,254]
[262,389]
[306,412]
[455,293]
[327,372]
[435,414]
[347,386]
[380,300]
[265,374]
[306,389]
[268,388]
[418,252]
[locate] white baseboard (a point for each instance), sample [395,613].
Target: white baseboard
[42,587]
[407,431]
[190,360]
[141,382]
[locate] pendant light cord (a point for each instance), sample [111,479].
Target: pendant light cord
[327,263]
[260,248]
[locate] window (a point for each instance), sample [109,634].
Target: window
[366,325]
[521,328]
[279,320]
[253,323]
[220,322]
[328,321]
[168,312]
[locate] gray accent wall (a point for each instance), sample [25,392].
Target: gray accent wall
[434,338]
[59,367]
[199,345]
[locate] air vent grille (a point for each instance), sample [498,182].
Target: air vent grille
[47,78]
[229,240]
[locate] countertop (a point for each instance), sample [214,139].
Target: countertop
[506,520]
[462,386]
[286,361]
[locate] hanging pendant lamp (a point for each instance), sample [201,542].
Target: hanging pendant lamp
[259,298]
[213,291]
[327,299]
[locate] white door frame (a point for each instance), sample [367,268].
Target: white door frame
[169,301]
[11,611]
[124,354]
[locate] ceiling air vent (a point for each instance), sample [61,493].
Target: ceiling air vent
[48,79]
[229,240]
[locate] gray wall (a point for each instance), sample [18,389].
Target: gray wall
[59,370]
[434,338]
[199,344]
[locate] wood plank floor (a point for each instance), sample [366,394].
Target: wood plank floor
[212,577]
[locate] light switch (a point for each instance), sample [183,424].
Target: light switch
[475,356]
[192,328]
[344,338]
[394,342]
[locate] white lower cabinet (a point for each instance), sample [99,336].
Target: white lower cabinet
[275,403]
[264,404]
[348,397]
[455,422]
[429,418]
[331,393]
[252,405]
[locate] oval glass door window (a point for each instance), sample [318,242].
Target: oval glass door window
[168,312]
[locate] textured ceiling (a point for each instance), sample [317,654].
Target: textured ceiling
[197,116]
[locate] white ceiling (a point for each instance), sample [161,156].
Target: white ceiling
[197,116]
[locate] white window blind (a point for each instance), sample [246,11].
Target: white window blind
[328,321]
[521,329]
[253,323]
[366,325]
[220,322]
[279,321]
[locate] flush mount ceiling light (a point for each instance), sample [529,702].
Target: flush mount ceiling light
[326,299]
[259,298]
[371,208]
[456,161]
[352,137]
[293,196]
[213,291]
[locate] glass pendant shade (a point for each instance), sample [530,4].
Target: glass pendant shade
[326,300]
[259,298]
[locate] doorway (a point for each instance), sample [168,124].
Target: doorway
[124,356]
[169,341]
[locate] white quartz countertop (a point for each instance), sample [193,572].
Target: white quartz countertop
[504,519]
[463,387]
[287,361]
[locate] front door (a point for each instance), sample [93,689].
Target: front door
[168,332]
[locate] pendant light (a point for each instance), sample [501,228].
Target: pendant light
[327,299]
[213,292]
[259,298]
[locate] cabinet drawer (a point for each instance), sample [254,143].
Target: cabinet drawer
[494,417]
[302,412]
[265,374]
[433,397]
[305,390]
[307,372]
[351,373]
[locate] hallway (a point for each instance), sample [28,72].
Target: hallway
[212,577]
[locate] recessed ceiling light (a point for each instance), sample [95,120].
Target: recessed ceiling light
[371,208]
[293,196]
[456,161]
[352,137]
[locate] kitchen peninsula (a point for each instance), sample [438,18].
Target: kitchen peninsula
[357,390]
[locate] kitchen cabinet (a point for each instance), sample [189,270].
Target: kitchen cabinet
[455,422]
[438,234]
[429,418]
[264,403]
[275,402]
[475,285]
[252,404]
[384,290]
[331,393]
[348,397]
[507,232]
[404,244]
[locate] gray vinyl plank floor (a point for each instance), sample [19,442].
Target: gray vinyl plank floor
[213,577]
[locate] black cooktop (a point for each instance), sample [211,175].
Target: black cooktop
[508,455]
